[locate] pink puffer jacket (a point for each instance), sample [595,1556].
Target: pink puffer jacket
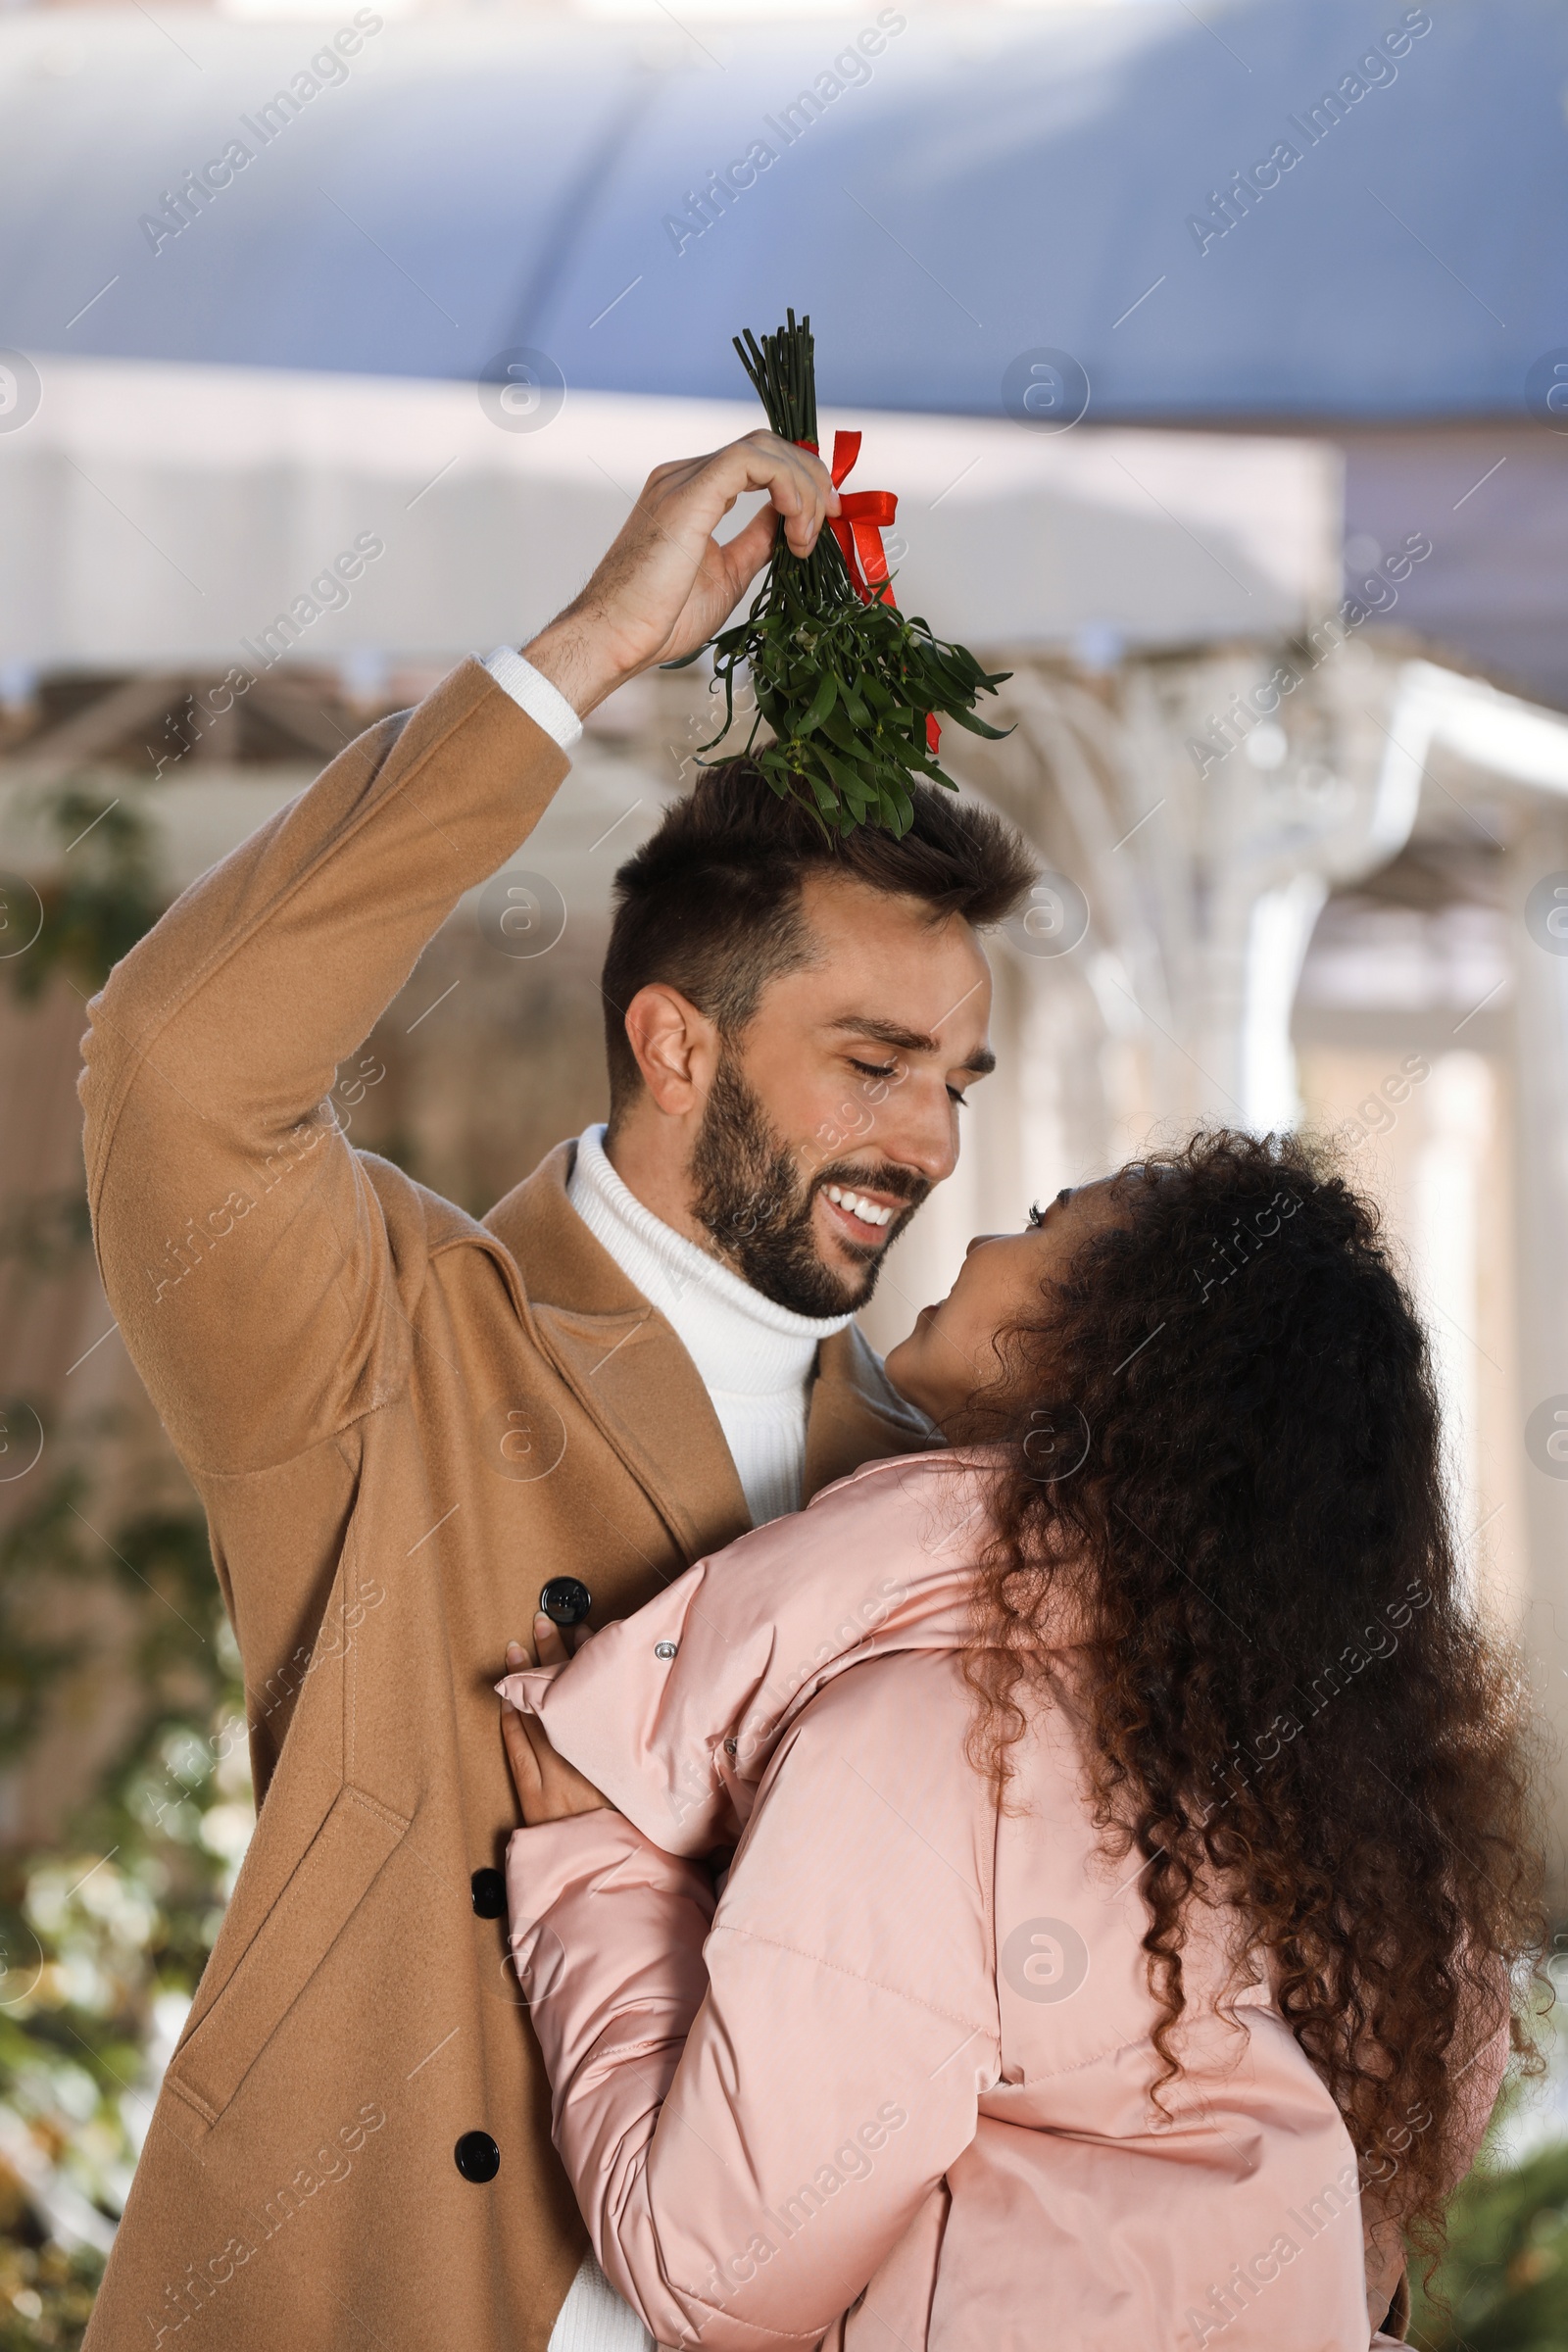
[892,2089]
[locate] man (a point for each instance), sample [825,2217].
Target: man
[403,1423]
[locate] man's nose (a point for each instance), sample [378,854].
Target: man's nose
[924,1134]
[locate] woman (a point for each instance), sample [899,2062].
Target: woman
[1133,1825]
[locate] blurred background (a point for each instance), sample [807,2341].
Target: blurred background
[1217,354]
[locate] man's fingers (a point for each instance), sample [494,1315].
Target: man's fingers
[745,554]
[666,584]
[799,485]
[803,463]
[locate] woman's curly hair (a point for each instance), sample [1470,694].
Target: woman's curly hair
[1289,1695]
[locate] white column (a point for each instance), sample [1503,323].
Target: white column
[1458,1109]
[1541,1179]
[1277,940]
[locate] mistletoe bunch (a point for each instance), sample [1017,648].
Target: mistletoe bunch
[850,685]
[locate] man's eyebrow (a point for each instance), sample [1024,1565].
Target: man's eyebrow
[980,1063]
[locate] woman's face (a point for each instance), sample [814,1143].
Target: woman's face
[952,1351]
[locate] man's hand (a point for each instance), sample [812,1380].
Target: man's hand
[666,584]
[549,1788]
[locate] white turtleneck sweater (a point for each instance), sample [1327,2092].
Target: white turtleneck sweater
[754,1359]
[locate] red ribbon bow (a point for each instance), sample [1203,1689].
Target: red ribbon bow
[862,517]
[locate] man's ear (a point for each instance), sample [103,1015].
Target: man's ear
[677,1047]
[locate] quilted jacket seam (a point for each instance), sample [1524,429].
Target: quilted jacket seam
[820,1960]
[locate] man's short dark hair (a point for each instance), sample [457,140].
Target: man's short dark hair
[711,904]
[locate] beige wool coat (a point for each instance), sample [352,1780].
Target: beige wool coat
[401,1422]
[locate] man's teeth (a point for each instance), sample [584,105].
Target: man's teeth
[866,1210]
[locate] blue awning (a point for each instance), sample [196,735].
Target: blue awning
[1232,217]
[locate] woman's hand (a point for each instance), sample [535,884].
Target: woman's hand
[549,1788]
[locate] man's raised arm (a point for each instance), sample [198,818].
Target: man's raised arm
[242,1248]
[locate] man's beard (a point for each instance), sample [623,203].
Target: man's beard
[751,1199]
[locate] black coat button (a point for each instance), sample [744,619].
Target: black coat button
[565,1600]
[477,2156]
[489,1891]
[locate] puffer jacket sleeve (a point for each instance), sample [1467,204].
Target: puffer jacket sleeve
[753,2105]
[675,1712]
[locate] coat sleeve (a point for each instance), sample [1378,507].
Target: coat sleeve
[754,2106]
[242,1246]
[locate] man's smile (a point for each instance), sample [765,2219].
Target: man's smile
[863,1217]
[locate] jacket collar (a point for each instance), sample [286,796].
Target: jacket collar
[855,1416]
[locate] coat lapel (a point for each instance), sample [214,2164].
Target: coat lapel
[630,1373]
[621,1360]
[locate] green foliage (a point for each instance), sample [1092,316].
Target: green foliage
[39,1543]
[46,1234]
[847,687]
[46,2294]
[1503,2285]
[103,1938]
[99,903]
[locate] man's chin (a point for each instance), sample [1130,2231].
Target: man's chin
[813,1285]
[854,1272]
